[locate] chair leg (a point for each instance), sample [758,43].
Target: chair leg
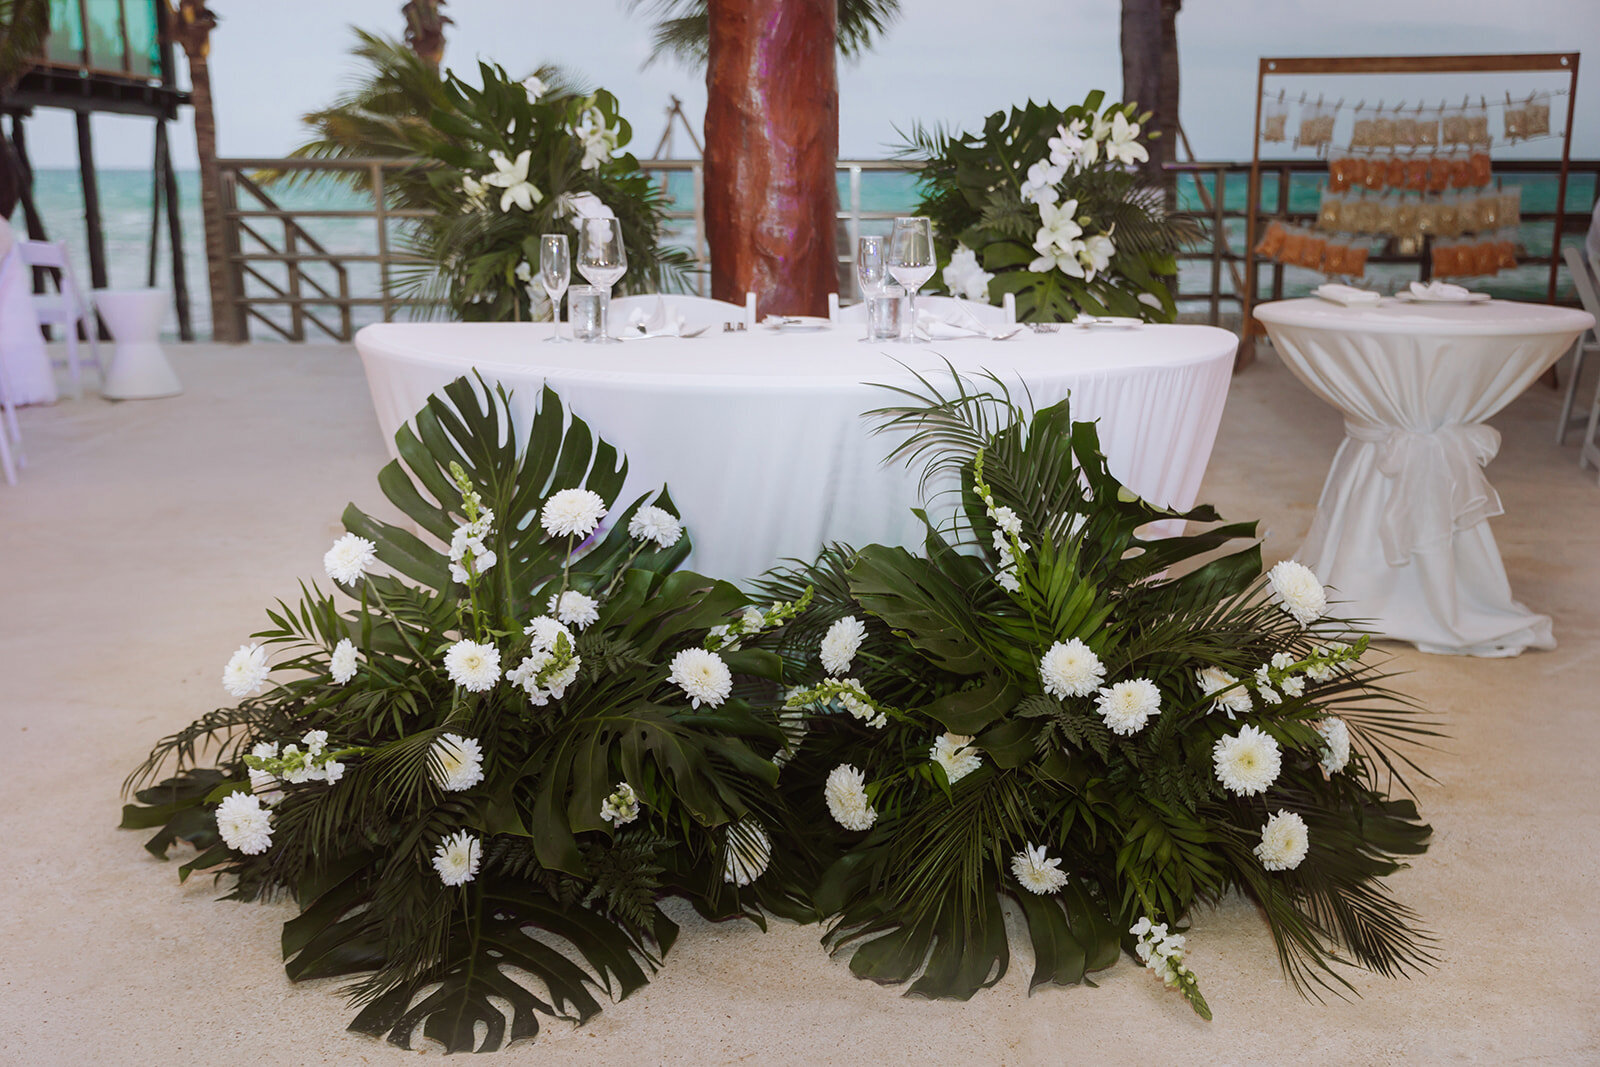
[1564,423]
[9,432]
[71,330]
[1591,448]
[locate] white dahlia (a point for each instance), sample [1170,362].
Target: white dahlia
[846,793]
[1335,744]
[1071,669]
[349,559]
[246,671]
[244,824]
[544,630]
[746,852]
[1212,681]
[840,643]
[1037,872]
[574,608]
[572,513]
[702,676]
[1127,706]
[457,762]
[1247,762]
[621,807]
[1284,842]
[456,858]
[651,523]
[342,665]
[1298,591]
[474,667]
[956,754]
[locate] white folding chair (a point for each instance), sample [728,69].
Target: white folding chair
[697,311]
[67,307]
[10,432]
[1583,279]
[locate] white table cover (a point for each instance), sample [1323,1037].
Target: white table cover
[28,373]
[759,435]
[1401,531]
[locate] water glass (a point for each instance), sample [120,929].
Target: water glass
[586,307]
[555,271]
[883,313]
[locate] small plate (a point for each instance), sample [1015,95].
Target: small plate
[1107,322]
[796,322]
[1471,298]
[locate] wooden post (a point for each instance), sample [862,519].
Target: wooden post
[191,24]
[180,279]
[91,204]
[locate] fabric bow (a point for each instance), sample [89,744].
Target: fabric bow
[1439,487]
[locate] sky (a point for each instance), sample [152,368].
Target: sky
[945,61]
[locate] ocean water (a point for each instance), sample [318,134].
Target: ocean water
[126,218]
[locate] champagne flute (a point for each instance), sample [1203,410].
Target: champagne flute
[555,271]
[911,261]
[602,259]
[869,265]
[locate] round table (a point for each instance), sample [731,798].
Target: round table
[759,435]
[139,369]
[1401,532]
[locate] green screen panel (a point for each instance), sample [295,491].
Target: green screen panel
[65,43]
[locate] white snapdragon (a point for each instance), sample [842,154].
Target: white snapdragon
[1228,695]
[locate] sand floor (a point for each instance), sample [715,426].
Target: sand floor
[146,538]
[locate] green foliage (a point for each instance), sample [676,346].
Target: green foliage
[973,188]
[683,27]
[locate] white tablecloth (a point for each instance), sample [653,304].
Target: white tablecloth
[28,372]
[1401,531]
[759,436]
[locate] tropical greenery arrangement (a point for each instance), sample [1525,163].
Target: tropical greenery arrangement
[1047,204]
[535,727]
[505,161]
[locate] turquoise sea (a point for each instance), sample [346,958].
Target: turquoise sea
[126,196]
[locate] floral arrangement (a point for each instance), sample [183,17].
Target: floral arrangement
[525,729]
[526,722]
[506,160]
[1047,204]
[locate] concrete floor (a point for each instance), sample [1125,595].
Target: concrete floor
[146,538]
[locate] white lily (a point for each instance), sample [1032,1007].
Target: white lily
[598,141]
[1040,186]
[1096,254]
[474,190]
[1058,226]
[1124,144]
[1071,148]
[513,178]
[535,87]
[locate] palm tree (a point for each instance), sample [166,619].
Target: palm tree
[1150,76]
[190,24]
[23,26]
[425,25]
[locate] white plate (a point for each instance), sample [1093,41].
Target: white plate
[1107,322]
[796,322]
[1412,298]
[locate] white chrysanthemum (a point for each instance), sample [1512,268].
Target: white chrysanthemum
[457,762]
[572,513]
[1127,706]
[1335,744]
[244,824]
[957,755]
[840,643]
[574,608]
[702,676]
[746,852]
[651,523]
[1298,591]
[1071,669]
[621,807]
[457,858]
[1037,872]
[1284,842]
[846,793]
[246,671]
[545,631]
[1247,762]
[1212,681]
[474,667]
[349,558]
[342,665]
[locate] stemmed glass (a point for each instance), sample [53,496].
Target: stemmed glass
[911,261]
[869,265]
[555,271]
[602,259]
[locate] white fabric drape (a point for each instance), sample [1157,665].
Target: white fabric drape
[759,435]
[1401,531]
[29,374]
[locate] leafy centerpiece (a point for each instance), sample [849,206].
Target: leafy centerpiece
[533,730]
[1047,204]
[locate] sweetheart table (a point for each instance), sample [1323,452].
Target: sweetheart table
[1402,532]
[759,435]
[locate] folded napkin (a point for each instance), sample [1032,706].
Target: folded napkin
[656,323]
[1439,291]
[957,322]
[1346,294]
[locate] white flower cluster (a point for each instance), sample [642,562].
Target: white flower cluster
[956,754]
[572,513]
[246,670]
[621,807]
[1160,951]
[1276,679]
[244,824]
[702,675]
[1037,872]
[264,784]
[1284,842]
[598,139]
[456,762]
[1062,246]
[656,525]
[840,644]
[511,177]
[1247,762]
[746,852]
[1008,543]
[1228,694]
[1060,242]
[1127,706]
[473,666]
[850,694]
[965,276]
[727,637]
[469,557]
[1297,591]
[314,763]
[550,666]
[457,857]
[846,793]
[1070,669]
[349,559]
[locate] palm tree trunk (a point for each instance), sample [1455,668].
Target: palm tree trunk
[192,24]
[425,25]
[1150,76]
[772,145]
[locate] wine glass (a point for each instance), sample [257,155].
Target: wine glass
[911,261]
[555,271]
[602,259]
